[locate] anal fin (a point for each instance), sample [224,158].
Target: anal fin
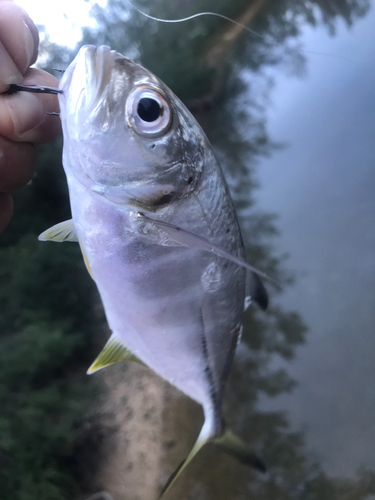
[113,352]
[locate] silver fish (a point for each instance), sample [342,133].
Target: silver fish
[156,224]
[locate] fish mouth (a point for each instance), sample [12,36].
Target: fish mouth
[85,82]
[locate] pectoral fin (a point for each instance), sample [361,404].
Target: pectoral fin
[113,352]
[64,231]
[186,238]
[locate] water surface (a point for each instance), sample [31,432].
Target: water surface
[322,187]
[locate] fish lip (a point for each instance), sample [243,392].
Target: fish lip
[85,82]
[67,77]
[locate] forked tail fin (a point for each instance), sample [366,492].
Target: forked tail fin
[206,434]
[228,442]
[233,445]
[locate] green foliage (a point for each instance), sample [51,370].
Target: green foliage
[181,54]
[39,410]
[46,325]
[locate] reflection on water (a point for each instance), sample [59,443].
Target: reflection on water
[322,187]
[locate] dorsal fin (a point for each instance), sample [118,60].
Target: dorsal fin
[255,291]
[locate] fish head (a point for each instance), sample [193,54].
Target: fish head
[126,135]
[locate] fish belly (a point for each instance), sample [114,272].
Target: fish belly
[177,309]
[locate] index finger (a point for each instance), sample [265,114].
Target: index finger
[18,43]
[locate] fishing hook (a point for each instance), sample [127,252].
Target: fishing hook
[36,89]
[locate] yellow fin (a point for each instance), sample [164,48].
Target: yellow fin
[86,260]
[233,445]
[228,442]
[173,477]
[206,434]
[64,231]
[113,352]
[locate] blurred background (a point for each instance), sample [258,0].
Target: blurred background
[290,111]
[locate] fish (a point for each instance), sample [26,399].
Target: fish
[156,224]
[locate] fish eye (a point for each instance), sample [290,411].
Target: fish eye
[148,109]
[148,112]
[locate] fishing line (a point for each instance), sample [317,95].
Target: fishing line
[193,16]
[226,18]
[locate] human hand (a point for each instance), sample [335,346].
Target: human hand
[23,118]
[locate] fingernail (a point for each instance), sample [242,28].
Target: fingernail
[29,44]
[9,72]
[31,37]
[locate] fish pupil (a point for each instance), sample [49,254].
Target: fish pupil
[148,109]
